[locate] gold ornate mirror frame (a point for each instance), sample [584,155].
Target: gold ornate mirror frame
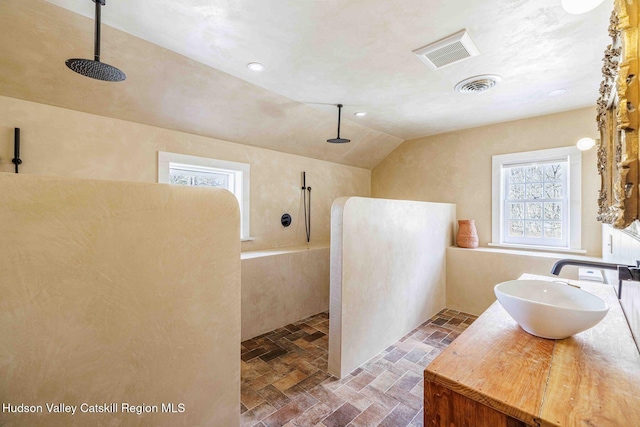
[618,202]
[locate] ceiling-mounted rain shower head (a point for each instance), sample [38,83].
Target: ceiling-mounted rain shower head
[94,68]
[338,140]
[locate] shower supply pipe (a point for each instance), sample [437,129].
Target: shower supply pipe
[307,207]
[96,38]
[16,149]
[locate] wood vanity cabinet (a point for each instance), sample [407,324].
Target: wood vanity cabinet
[454,409]
[497,375]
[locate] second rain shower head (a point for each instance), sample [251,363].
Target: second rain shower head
[94,68]
[338,140]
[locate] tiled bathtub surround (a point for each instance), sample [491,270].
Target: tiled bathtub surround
[296,294]
[285,380]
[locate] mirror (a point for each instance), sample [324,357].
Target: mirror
[618,201]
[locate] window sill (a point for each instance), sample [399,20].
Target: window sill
[538,248]
[247,239]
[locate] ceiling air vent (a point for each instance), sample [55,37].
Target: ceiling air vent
[478,84]
[447,51]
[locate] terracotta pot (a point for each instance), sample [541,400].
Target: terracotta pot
[467,235]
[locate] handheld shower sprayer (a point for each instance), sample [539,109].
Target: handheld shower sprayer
[306,206]
[16,150]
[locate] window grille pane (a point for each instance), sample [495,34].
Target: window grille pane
[534,173]
[553,191]
[199,178]
[553,230]
[553,172]
[516,228]
[535,208]
[516,192]
[516,175]
[214,180]
[553,211]
[534,191]
[534,211]
[533,229]
[516,210]
[180,179]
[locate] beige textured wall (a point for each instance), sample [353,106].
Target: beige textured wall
[279,288]
[456,167]
[111,294]
[61,142]
[387,274]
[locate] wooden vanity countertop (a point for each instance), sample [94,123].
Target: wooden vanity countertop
[589,379]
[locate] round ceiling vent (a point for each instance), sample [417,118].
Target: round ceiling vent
[478,84]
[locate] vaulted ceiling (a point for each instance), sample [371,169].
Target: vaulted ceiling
[185,62]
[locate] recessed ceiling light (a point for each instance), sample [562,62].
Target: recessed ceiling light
[255,66]
[360,113]
[576,7]
[557,92]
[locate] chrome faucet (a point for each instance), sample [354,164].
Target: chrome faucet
[625,272]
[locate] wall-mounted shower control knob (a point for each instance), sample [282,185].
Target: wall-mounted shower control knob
[285,220]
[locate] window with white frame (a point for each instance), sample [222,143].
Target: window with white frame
[182,169]
[537,199]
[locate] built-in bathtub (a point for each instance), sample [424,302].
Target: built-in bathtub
[283,285]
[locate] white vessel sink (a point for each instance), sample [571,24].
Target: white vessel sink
[549,309]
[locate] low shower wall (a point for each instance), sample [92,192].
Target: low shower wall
[113,295]
[388,274]
[282,286]
[473,273]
